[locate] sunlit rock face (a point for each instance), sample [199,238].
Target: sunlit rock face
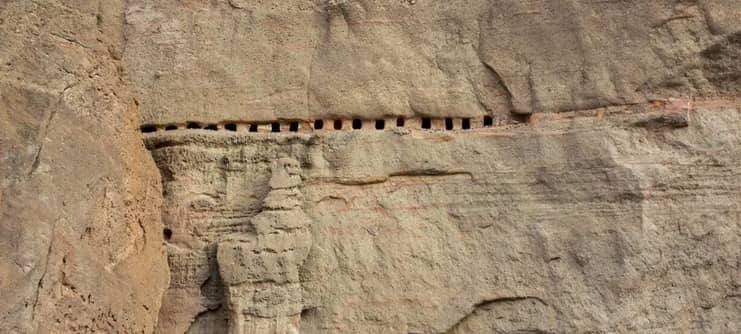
[80,198]
[460,166]
[370,166]
[591,221]
[219,60]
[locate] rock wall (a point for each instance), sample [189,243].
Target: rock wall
[370,166]
[212,61]
[80,199]
[613,220]
[468,166]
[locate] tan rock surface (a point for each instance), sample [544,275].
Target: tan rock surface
[615,220]
[80,228]
[572,223]
[596,191]
[211,61]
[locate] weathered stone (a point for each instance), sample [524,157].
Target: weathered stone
[80,199]
[575,222]
[370,166]
[215,61]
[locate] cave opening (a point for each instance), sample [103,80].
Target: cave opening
[380,124]
[426,123]
[466,124]
[488,121]
[448,123]
[148,128]
[167,233]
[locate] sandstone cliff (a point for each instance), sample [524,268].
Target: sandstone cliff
[611,208]
[371,166]
[80,230]
[614,220]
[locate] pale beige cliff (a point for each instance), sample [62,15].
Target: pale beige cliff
[612,209]
[615,220]
[211,61]
[80,230]
[370,166]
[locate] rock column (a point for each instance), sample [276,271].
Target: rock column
[260,269]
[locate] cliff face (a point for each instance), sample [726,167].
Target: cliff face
[613,220]
[561,166]
[80,228]
[218,60]
[371,166]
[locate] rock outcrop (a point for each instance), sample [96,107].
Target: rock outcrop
[619,220]
[80,199]
[212,61]
[260,270]
[370,166]
[470,166]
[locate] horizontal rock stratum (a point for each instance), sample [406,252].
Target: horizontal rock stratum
[370,166]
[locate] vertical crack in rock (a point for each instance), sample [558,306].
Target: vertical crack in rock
[47,259]
[44,131]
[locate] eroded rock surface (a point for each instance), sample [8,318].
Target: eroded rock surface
[80,229]
[616,220]
[261,270]
[598,196]
[218,60]
[483,166]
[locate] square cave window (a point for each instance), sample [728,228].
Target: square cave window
[488,121]
[448,123]
[357,124]
[466,123]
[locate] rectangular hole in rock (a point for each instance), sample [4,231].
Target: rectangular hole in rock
[193,125]
[380,124]
[148,128]
[275,127]
[466,123]
[293,126]
[400,122]
[426,123]
[318,124]
[253,127]
[357,124]
[212,127]
[230,127]
[488,121]
[338,124]
[448,123]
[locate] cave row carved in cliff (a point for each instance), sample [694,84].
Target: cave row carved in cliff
[424,123]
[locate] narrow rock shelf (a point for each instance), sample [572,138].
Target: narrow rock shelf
[304,126]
